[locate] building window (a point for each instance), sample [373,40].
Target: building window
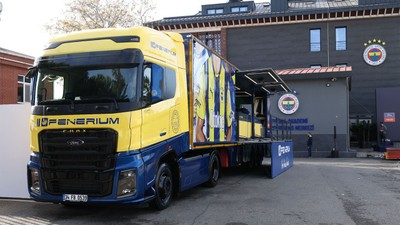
[239,9]
[341,38]
[341,65]
[212,40]
[24,86]
[215,11]
[315,40]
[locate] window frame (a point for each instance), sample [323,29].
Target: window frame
[215,11]
[341,65]
[239,9]
[166,91]
[315,46]
[26,87]
[340,42]
[219,11]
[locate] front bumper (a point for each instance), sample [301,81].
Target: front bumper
[124,161]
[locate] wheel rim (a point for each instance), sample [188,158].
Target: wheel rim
[165,187]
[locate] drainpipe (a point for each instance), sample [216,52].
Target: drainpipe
[327,35]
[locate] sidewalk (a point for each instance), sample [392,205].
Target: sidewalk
[352,153]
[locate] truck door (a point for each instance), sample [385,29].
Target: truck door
[155,117]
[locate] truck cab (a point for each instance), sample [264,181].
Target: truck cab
[108,107]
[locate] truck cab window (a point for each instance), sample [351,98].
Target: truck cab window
[153,83]
[157,83]
[147,83]
[169,83]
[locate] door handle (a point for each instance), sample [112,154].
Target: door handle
[163,133]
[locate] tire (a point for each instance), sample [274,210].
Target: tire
[164,187]
[214,169]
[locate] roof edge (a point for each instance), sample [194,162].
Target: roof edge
[17,54]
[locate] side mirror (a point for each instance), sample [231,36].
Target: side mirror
[32,71]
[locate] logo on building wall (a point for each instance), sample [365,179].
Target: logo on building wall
[288,104]
[374,53]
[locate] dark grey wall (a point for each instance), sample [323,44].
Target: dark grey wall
[386,102]
[279,5]
[287,46]
[324,107]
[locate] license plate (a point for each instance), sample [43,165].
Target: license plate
[75,198]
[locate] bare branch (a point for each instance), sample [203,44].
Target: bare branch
[91,14]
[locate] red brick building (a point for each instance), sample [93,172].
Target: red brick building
[14,88]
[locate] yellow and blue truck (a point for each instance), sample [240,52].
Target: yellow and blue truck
[138,115]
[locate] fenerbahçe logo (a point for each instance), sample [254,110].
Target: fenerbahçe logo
[288,103]
[374,53]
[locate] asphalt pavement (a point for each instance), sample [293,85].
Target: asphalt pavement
[318,191]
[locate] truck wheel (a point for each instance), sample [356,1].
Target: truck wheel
[213,171]
[164,187]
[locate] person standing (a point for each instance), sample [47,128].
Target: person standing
[309,143]
[382,133]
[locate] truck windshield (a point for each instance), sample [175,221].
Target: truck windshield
[93,77]
[86,84]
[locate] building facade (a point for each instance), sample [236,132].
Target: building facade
[320,105]
[285,34]
[14,87]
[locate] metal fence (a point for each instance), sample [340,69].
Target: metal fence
[280,129]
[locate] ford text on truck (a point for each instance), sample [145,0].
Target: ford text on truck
[137,115]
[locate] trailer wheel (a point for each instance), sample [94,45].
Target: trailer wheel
[164,186]
[213,170]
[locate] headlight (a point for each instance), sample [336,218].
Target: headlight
[35,183]
[126,183]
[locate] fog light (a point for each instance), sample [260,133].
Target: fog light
[126,183]
[35,183]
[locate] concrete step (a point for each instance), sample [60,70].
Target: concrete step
[379,155]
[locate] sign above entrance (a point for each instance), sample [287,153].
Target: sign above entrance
[288,104]
[389,117]
[374,53]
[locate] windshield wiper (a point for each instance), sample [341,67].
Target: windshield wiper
[114,100]
[57,102]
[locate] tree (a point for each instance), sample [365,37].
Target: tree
[92,14]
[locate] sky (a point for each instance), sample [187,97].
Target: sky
[22,21]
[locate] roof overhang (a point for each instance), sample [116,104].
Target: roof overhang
[259,82]
[315,73]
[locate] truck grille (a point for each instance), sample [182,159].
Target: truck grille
[78,161]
